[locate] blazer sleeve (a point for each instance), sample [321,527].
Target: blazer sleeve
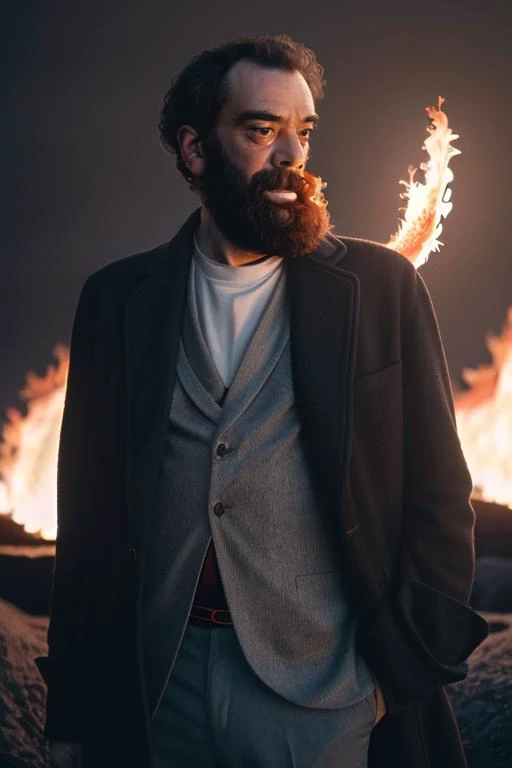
[62,669]
[438,517]
[425,630]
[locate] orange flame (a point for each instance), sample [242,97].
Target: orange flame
[484,420]
[28,455]
[28,452]
[428,202]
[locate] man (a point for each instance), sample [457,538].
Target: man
[265,544]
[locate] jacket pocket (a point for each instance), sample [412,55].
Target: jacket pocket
[372,380]
[419,641]
[444,629]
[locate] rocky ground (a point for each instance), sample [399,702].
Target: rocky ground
[22,691]
[483,702]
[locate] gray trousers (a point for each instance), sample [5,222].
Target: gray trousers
[216,713]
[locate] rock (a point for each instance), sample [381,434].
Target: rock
[492,590]
[22,691]
[493,529]
[25,579]
[483,701]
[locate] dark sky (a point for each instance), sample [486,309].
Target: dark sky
[87,182]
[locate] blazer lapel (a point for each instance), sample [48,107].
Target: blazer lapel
[324,321]
[324,304]
[153,316]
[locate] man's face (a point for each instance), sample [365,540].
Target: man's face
[254,181]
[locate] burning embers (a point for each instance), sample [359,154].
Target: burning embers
[28,453]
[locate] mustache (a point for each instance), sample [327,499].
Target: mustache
[307,186]
[277,178]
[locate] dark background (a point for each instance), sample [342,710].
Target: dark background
[86,181]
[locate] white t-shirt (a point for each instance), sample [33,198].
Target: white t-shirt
[231,302]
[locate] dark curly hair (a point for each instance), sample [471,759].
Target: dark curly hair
[198,93]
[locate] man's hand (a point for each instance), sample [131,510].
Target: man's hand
[381,704]
[65,754]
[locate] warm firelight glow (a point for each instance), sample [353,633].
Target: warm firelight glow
[484,420]
[28,452]
[29,447]
[428,202]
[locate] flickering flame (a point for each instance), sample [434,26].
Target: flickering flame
[484,420]
[428,202]
[484,411]
[28,451]
[29,446]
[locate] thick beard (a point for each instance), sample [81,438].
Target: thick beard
[253,223]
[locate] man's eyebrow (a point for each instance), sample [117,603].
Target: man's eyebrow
[268,117]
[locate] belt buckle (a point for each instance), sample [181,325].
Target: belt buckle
[213,616]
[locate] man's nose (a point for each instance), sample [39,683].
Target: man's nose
[289,152]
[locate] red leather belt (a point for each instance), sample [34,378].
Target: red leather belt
[219,617]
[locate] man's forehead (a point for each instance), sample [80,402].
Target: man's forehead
[255,88]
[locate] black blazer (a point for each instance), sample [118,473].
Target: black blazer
[374,400]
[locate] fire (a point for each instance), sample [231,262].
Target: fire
[28,452]
[484,420]
[428,202]
[28,455]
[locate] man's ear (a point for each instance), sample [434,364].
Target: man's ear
[191,149]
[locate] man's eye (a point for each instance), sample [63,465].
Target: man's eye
[305,133]
[262,130]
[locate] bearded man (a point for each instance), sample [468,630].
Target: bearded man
[265,540]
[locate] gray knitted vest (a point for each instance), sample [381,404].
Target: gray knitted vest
[279,564]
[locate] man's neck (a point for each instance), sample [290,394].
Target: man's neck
[216,247]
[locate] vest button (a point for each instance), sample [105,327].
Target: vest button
[222,449]
[218,509]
